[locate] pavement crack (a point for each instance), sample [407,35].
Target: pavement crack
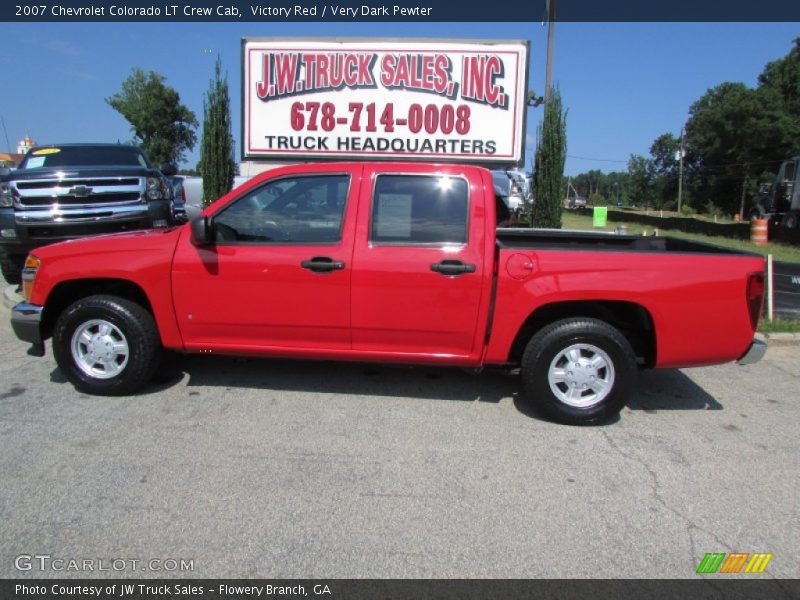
[655,490]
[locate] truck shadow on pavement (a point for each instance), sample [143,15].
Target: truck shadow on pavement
[655,391]
[354,379]
[670,389]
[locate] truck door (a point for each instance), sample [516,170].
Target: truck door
[278,273]
[419,275]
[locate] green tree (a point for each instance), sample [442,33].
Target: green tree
[641,175]
[610,187]
[665,170]
[617,184]
[731,134]
[161,125]
[781,79]
[737,135]
[589,183]
[216,163]
[551,153]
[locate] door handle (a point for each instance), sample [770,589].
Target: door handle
[452,267]
[322,264]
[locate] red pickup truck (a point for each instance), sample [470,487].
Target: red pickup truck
[398,263]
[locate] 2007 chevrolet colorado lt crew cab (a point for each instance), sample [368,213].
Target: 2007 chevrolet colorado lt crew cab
[394,263]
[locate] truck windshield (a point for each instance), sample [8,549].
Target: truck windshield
[72,156]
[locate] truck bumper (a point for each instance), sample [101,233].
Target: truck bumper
[10,241]
[754,353]
[26,322]
[25,230]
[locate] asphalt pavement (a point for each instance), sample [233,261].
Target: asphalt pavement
[270,468]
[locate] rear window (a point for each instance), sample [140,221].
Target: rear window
[415,209]
[75,156]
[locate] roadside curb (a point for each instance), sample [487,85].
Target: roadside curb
[10,296]
[783,339]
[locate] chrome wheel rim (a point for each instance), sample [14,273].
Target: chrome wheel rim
[100,349]
[581,375]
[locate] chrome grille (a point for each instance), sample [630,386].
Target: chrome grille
[83,191]
[46,184]
[71,200]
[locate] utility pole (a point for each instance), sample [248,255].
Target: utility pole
[680,170]
[551,34]
[8,144]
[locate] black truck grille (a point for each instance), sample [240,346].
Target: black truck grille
[56,232]
[69,199]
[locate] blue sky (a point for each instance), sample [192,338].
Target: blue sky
[623,83]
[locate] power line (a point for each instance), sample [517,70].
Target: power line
[705,166]
[597,159]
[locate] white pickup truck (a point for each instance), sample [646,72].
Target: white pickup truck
[189,189]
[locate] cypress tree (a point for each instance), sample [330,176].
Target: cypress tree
[551,153]
[217,165]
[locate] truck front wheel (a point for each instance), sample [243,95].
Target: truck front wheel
[578,371]
[11,267]
[106,345]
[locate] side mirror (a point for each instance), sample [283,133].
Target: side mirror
[168,170]
[202,231]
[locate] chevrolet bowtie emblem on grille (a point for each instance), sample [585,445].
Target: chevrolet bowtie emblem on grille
[80,190]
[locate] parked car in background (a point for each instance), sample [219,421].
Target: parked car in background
[66,191]
[523,181]
[178,199]
[508,187]
[575,202]
[189,188]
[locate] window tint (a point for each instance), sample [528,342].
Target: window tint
[302,210]
[789,174]
[73,156]
[419,209]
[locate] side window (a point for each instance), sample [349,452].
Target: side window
[788,176]
[418,209]
[301,210]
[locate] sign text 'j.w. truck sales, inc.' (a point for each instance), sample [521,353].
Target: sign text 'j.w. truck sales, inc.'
[442,100]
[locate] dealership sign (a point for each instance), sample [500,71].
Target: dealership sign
[434,100]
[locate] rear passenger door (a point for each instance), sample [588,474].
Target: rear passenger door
[418,266]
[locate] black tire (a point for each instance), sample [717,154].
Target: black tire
[12,266]
[126,320]
[590,338]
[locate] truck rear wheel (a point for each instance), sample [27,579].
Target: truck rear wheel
[106,345]
[578,371]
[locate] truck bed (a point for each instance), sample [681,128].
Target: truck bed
[565,239]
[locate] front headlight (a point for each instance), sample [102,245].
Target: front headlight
[154,188]
[29,275]
[6,195]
